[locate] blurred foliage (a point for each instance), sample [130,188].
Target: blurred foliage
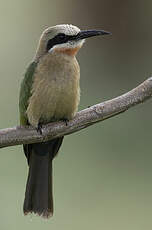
[102,176]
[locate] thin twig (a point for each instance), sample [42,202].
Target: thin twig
[25,135]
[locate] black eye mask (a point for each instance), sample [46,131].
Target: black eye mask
[60,39]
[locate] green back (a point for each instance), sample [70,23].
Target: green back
[25,92]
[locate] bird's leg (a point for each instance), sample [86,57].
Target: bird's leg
[39,128]
[65,120]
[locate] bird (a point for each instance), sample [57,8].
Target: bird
[50,91]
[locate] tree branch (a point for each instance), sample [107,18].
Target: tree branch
[26,135]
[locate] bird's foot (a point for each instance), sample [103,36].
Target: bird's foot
[39,129]
[65,120]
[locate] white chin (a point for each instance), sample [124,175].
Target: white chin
[70,44]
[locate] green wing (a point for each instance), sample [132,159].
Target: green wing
[25,92]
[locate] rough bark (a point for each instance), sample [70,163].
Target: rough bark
[99,112]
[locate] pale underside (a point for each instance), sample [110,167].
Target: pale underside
[55,91]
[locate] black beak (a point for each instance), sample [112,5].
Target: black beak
[91,33]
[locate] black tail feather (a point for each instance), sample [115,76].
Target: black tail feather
[38,195]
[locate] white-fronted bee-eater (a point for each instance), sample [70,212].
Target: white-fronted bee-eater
[49,92]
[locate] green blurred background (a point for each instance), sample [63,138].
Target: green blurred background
[103,174]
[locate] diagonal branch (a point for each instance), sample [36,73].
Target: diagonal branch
[25,135]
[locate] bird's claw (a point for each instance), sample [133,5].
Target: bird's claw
[66,121]
[39,129]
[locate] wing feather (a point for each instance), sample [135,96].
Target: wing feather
[25,92]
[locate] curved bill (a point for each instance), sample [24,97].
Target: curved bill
[87,34]
[91,33]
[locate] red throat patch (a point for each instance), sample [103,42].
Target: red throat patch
[68,51]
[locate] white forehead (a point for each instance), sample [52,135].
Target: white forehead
[65,28]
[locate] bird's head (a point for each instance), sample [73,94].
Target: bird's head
[65,38]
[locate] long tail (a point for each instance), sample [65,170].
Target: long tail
[38,195]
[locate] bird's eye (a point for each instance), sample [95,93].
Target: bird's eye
[58,39]
[61,36]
